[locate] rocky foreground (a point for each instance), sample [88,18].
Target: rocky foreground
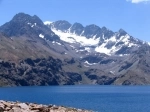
[7,106]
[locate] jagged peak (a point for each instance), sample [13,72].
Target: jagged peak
[61,25]
[76,28]
[21,15]
[77,24]
[92,26]
[61,22]
[104,28]
[24,24]
[122,32]
[26,18]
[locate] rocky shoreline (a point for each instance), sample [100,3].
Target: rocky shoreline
[9,106]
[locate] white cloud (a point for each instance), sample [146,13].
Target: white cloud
[138,1]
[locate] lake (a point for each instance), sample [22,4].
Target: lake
[93,97]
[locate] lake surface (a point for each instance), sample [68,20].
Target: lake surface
[97,98]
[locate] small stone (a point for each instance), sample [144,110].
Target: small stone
[7,104]
[50,106]
[24,106]
[1,109]
[11,110]
[16,109]
[1,101]
[7,108]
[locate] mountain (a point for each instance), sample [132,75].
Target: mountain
[24,24]
[96,39]
[61,53]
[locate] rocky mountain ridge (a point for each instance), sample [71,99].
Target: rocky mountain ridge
[58,53]
[94,38]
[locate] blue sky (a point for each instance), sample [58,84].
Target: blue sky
[131,15]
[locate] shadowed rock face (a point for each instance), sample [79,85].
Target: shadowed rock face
[20,24]
[77,28]
[61,25]
[91,30]
[36,72]
[24,24]
[32,54]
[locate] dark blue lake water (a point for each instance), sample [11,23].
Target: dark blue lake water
[97,98]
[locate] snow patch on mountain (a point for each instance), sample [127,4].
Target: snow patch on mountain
[73,38]
[124,39]
[40,35]
[88,49]
[47,22]
[102,49]
[58,43]
[32,25]
[86,62]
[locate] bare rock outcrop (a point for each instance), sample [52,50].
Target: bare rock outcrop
[7,106]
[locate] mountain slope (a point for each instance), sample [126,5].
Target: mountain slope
[59,53]
[97,39]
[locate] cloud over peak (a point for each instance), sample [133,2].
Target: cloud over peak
[138,1]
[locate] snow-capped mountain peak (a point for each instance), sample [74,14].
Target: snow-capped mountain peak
[98,39]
